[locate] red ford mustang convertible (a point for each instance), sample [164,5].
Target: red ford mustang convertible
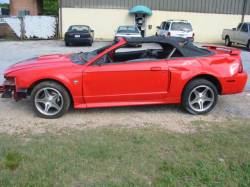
[171,70]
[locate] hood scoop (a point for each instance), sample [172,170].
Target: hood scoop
[48,57]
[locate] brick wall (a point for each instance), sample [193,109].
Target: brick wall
[6,31]
[33,6]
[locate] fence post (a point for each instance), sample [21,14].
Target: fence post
[22,28]
[60,18]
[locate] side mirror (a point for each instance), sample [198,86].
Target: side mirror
[158,27]
[92,31]
[234,29]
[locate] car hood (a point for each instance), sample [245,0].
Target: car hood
[41,61]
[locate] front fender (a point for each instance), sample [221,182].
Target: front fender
[70,79]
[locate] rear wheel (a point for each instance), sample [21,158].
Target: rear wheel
[228,41]
[199,97]
[50,100]
[67,43]
[248,45]
[90,43]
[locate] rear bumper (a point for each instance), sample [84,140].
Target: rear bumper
[79,40]
[234,85]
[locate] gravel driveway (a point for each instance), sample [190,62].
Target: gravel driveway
[19,118]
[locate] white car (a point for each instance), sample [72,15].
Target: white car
[127,32]
[176,28]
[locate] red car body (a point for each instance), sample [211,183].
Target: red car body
[138,83]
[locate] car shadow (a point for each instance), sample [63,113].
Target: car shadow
[25,107]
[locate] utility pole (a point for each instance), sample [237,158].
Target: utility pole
[245,3]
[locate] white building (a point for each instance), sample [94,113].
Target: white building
[208,17]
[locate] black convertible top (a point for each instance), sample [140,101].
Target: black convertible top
[185,46]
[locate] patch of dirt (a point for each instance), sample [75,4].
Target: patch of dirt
[18,117]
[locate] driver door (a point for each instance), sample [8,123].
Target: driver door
[125,83]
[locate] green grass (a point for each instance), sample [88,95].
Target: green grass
[217,156]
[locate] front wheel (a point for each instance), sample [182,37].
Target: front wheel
[199,97]
[228,42]
[50,100]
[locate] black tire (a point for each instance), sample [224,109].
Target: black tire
[55,86]
[248,45]
[90,44]
[228,41]
[67,44]
[196,84]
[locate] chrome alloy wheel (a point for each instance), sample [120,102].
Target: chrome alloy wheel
[49,101]
[201,98]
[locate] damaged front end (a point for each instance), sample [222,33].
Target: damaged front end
[8,90]
[1,89]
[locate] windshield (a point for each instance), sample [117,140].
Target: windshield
[78,28]
[181,26]
[83,57]
[128,29]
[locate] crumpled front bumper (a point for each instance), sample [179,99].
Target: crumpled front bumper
[1,89]
[10,92]
[7,91]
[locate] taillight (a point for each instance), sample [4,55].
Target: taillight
[240,67]
[169,34]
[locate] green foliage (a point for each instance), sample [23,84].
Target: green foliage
[12,160]
[218,155]
[4,5]
[50,7]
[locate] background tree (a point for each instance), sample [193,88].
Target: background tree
[4,5]
[50,7]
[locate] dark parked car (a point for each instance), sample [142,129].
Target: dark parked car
[79,34]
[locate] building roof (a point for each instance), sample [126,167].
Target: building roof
[201,6]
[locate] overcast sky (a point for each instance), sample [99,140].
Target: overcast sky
[4,1]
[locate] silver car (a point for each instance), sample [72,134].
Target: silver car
[239,35]
[127,32]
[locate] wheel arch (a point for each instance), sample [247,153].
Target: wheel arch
[29,91]
[208,77]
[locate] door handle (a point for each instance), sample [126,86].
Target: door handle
[156,69]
